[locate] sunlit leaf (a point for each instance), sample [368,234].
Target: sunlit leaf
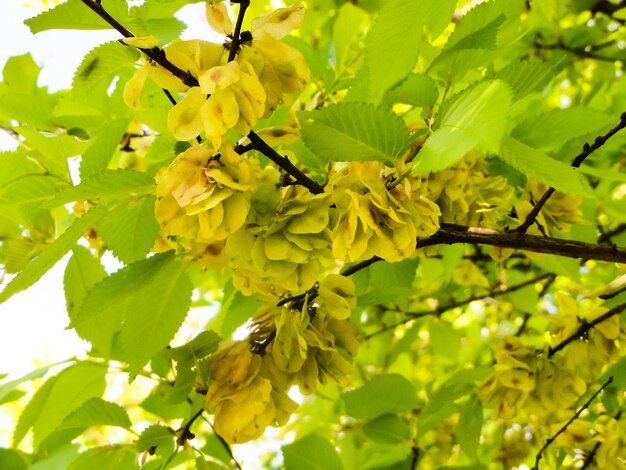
[354,131]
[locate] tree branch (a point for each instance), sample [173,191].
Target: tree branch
[450,234]
[550,440]
[587,150]
[585,327]
[158,55]
[283,162]
[185,431]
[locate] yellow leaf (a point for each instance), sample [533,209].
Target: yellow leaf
[134,87]
[184,119]
[278,23]
[220,112]
[219,77]
[141,42]
[217,16]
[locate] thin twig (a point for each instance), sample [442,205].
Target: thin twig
[158,55]
[444,308]
[592,455]
[585,327]
[587,150]
[550,440]
[185,431]
[606,236]
[449,234]
[234,46]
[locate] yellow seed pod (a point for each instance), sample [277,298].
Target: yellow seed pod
[218,19]
[337,296]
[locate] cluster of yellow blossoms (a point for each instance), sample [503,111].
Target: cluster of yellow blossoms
[300,343]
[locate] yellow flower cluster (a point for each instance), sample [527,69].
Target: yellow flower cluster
[204,196]
[298,343]
[526,378]
[284,254]
[373,220]
[466,194]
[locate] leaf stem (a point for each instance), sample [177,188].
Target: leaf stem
[563,428]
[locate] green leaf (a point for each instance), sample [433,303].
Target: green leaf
[537,165]
[53,253]
[445,340]
[474,120]
[312,452]
[10,459]
[52,152]
[103,146]
[82,272]
[9,387]
[479,22]
[389,393]
[393,44]
[156,436]
[345,31]
[12,396]
[186,357]
[235,310]
[59,396]
[159,403]
[129,230]
[552,129]
[202,345]
[103,63]
[527,76]
[469,426]
[184,381]
[385,282]
[354,132]
[417,90]
[31,188]
[162,151]
[32,410]
[119,457]
[155,312]
[462,383]
[387,429]
[484,37]
[103,310]
[96,411]
[74,14]
[112,184]
[20,73]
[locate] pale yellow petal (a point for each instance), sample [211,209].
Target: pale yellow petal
[184,119]
[278,23]
[217,16]
[219,77]
[142,42]
[220,112]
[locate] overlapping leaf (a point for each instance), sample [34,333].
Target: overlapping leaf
[474,120]
[354,131]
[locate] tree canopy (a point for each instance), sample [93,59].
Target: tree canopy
[403,221]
